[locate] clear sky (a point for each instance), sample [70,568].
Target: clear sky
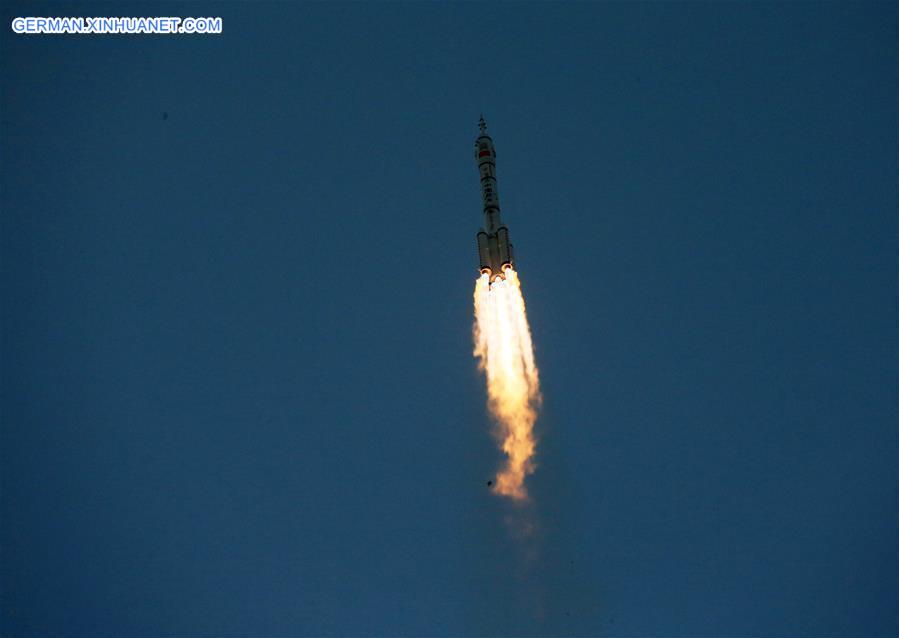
[238,395]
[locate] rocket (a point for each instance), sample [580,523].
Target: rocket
[494,249]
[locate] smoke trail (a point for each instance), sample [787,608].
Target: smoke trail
[502,344]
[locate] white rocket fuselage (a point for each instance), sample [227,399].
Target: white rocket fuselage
[494,249]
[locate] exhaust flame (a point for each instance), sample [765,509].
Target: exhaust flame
[502,344]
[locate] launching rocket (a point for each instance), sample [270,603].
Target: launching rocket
[502,337]
[494,249]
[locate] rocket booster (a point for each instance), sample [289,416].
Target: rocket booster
[494,249]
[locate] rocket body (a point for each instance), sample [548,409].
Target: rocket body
[494,249]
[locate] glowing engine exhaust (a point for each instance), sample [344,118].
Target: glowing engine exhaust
[503,347]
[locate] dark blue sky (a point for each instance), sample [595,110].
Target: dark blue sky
[238,396]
